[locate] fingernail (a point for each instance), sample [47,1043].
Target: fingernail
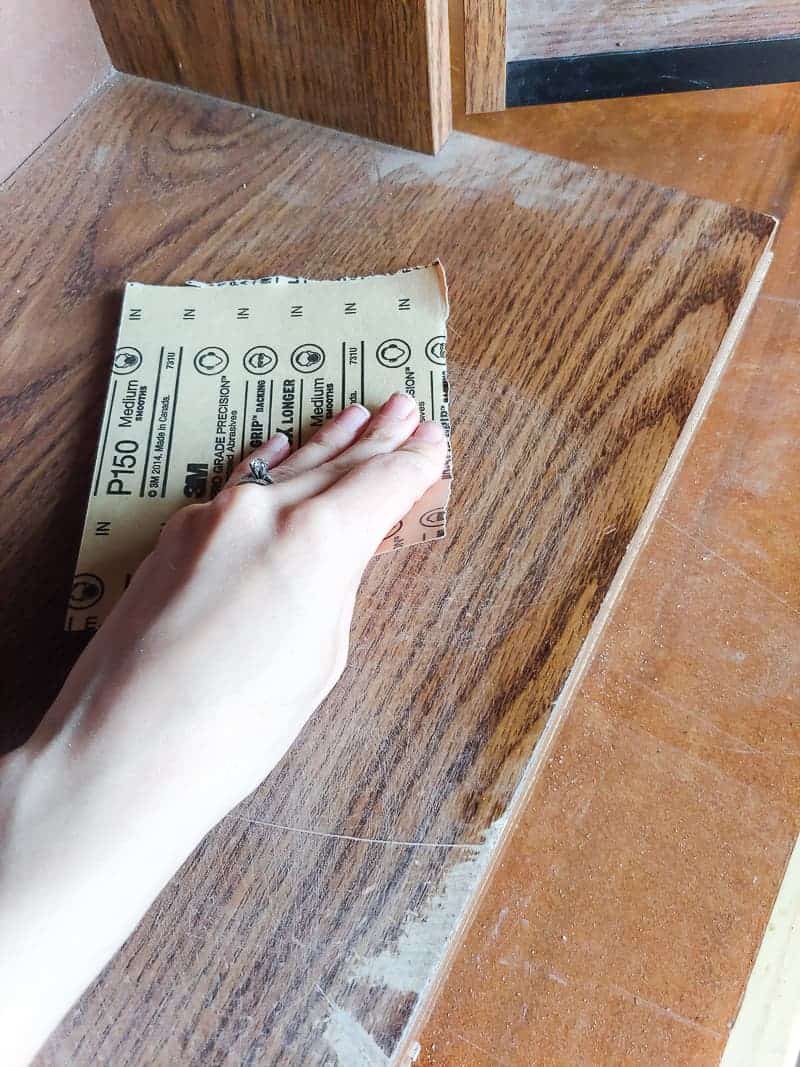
[399,406]
[431,432]
[277,443]
[354,416]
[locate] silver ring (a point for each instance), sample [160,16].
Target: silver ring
[259,474]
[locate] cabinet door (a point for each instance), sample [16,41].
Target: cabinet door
[375,67]
[537,52]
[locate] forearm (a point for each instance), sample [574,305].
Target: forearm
[85,847]
[196,686]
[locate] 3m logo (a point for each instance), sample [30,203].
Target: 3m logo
[195,485]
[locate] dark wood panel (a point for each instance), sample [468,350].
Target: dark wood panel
[586,309]
[484,55]
[381,69]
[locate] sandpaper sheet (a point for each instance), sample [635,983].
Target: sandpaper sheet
[203,374]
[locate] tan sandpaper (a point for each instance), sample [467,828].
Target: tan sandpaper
[203,374]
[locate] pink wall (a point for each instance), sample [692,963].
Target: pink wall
[51,55]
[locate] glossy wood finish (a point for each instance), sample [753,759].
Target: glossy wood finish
[485,55]
[376,68]
[537,29]
[586,309]
[628,905]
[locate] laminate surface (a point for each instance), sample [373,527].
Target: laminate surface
[572,28]
[378,69]
[623,916]
[586,311]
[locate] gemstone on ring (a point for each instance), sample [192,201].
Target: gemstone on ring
[259,474]
[260,471]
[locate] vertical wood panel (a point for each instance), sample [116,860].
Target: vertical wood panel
[438,41]
[380,69]
[485,55]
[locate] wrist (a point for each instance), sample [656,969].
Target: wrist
[84,851]
[113,756]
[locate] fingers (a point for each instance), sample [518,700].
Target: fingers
[374,495]
[272,452]
[390,427]
[368,470]
[331,439]
[326,443]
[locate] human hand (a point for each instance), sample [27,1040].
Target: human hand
[231,633]
[236,626]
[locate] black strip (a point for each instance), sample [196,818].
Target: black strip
[105,438]
[658,70]
[363,359]
[172,422]
[244,420]
[344,357]
[269,413]
[433,399]
[300,417]
[152,421]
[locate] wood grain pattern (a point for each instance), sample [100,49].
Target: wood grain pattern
[378,69]
[591,867]
[485,55]
[574,28]
[586,309]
